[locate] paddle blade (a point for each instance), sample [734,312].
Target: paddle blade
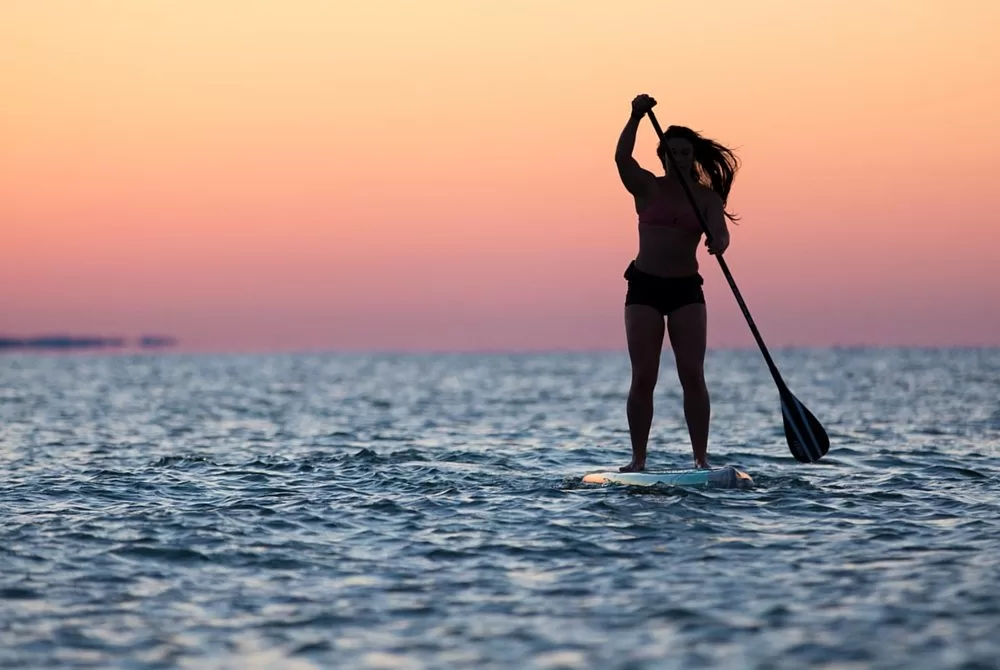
[806,438]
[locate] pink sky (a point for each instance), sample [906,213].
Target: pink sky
[254,175]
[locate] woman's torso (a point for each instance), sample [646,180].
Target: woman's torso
[669,231]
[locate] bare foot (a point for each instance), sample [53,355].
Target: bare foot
[632,467]
[702,465]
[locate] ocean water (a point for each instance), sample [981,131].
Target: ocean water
[426,511]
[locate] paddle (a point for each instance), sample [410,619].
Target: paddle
[806,438]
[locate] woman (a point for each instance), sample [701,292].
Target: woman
[663,280]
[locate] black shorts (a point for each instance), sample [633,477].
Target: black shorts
[664,293]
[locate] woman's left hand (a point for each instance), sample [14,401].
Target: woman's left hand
[718,244]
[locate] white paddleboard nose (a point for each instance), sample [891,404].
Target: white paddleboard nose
[726,477]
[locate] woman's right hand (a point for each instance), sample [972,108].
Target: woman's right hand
[641,105]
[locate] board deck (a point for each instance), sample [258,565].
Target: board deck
[727,477]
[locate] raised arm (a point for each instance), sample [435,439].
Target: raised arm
[637,181]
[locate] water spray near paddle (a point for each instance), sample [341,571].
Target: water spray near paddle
[807,440]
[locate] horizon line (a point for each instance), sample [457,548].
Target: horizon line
[492,351]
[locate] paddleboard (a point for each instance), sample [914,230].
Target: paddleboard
[727,477]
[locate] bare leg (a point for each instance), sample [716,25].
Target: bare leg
[688,328]
[644,331]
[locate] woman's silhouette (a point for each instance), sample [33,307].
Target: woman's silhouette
[663,280]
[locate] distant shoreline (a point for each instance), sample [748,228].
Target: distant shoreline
[72,342]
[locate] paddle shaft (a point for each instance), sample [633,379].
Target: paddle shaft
[722,262]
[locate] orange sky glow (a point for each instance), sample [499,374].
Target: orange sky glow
[439,175]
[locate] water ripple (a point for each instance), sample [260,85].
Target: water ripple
[427,512]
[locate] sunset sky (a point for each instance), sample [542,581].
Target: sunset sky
[439,175]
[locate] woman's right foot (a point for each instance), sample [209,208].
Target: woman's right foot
[632,467]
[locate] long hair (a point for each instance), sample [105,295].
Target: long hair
[713,166]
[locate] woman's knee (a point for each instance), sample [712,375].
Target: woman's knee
[692,378]
[643,382]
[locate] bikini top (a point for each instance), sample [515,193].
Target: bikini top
[662,211]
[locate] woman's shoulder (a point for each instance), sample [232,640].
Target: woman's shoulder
[706,195]
[705,190]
